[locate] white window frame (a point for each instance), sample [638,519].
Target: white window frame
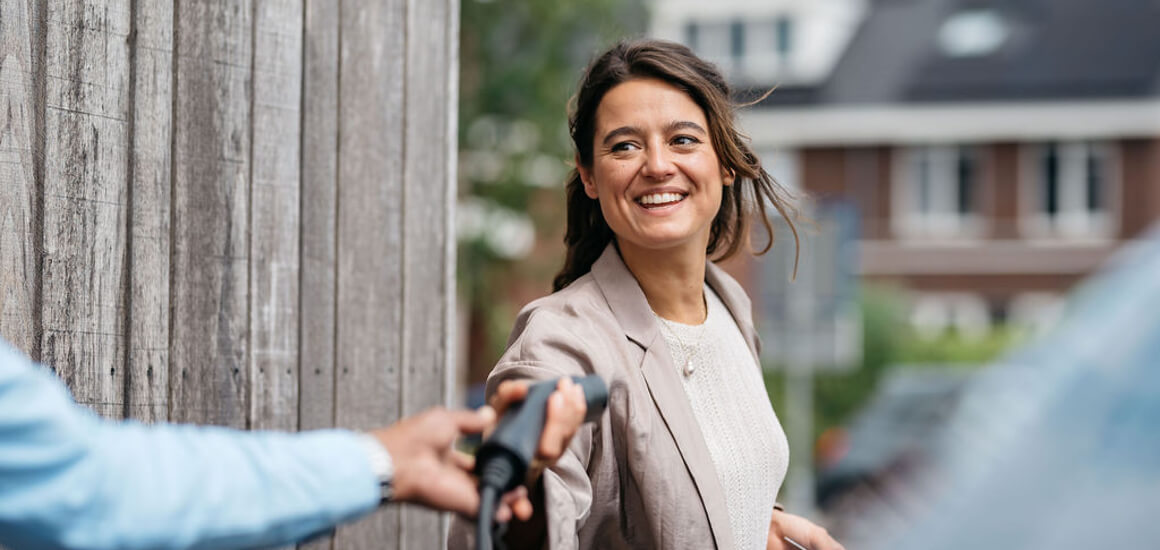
[720,34]
[933,313]
[1073,221]
[760,61]
[943,220]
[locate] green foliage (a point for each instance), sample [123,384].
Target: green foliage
[888,341]
[951,347]
[839,394]
[519,63]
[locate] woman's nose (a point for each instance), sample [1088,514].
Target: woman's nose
[658,164]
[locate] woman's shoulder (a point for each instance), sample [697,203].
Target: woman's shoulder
[580,301]
[574,324]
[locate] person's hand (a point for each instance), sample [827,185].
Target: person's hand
[566,410]
[428,471]
[800,530]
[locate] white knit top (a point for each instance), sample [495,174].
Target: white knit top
[745,439]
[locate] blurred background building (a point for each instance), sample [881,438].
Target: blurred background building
[996,152]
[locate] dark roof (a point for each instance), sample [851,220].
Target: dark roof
[779,96]
[1054,50]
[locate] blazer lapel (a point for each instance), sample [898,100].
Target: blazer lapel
[632,311]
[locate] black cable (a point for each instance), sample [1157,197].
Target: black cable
[488,496]
[496,475]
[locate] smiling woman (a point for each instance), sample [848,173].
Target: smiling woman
[690,453]
[655,173]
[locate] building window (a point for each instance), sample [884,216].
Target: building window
[737,41]
[784,36]
[1067,190]
[936,192]
[758,51]
[934,315]
[715,41]
[972,33]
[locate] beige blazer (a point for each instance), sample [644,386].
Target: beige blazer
[642,477]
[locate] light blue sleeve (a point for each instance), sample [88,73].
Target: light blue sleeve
[69,479]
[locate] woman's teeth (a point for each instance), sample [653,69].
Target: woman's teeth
[660,198]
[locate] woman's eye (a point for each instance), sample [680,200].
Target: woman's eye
[685,140]
[623,146]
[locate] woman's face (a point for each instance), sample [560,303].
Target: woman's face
[654,169]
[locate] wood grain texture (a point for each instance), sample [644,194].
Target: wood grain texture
[318,209]
[319,204]
[274,208]
[370,203]
[19,240]
[209,378]
[429,192]
[151,182]
[85,198]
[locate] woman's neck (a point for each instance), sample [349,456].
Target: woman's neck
[673,280]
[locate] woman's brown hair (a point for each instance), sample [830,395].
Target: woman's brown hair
[587,233]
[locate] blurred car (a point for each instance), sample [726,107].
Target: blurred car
[1056,447]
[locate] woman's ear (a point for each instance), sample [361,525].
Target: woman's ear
[728,176]
[586,178]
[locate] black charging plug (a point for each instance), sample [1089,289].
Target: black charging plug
[502,462]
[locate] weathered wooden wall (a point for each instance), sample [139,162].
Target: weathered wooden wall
[234,212]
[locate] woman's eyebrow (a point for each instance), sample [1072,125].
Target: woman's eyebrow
[673,126]
[623,130]
[684,125]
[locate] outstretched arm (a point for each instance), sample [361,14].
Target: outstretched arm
[69,479]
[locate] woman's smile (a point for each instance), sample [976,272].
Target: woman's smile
[658,201]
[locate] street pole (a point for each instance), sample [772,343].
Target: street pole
[799,391]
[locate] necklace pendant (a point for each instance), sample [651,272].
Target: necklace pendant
[688,369]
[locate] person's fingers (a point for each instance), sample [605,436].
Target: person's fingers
[566,410]
[579,403]
[472,422]
[522,509]
[503,513]
[462,460]
[455,491]
[517,502]
[508,392]
[556,430]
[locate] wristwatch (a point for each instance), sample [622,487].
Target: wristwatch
[381,465]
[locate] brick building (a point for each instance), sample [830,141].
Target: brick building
[996,152]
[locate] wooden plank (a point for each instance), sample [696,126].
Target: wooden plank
[430,190]
[19,229]
[319,203]
[85,198]
[370,201]
[151,182]
[319,206]
[274,214]
[209,378]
